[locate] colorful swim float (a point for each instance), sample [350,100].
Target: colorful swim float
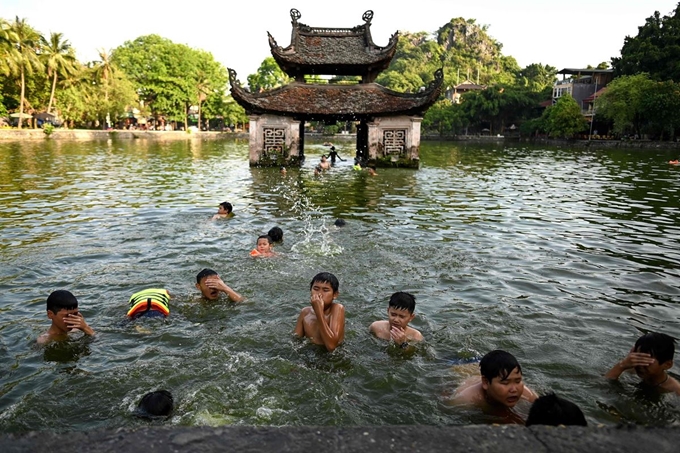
[149,300]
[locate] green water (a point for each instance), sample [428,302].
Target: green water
[562,257]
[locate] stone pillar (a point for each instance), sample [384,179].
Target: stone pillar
[274,141]
[394,141]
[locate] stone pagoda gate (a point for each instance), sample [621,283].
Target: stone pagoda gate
[388,122]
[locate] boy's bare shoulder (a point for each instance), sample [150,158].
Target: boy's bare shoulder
[672,385]
[381,329]
[414,334]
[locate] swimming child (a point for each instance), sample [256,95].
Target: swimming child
[323,322]
[263,247]
[149,303]
[209,283]
[155,404]
[372,171]
[324,164]
[497,389]
[276,234]
[552,410]
[283,170]
[224,211]
[651,357]
[62,310]
[399,314]
[333,153]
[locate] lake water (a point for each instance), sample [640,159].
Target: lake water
[562,257]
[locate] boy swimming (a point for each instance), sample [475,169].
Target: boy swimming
[497,389]
[324,321]
[399,313]
[651,357]
[263,247]
[62,310]
[224,211]
[209,283]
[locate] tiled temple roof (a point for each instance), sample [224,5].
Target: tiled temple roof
[336,102]
[333,51]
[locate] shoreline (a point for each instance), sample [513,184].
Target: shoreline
[8,135]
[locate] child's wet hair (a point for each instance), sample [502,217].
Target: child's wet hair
[265,236]
[658,345]
[203,274]
[227,206]
[403,301]
[61,300]
[326,277]
[276,234]
[156,404]
[552,410]
[498,364]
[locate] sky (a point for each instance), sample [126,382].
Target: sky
[563,34]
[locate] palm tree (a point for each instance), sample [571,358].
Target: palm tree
[24,59]
[7,39]
[59,59]
[104,71]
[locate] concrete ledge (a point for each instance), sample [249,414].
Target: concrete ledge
[502,439]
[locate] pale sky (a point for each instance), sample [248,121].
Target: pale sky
[564,34]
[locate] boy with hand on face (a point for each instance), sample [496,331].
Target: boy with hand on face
[209,283]
[324,321]
[62,310]
[399,313]
[498,389]
[650,358]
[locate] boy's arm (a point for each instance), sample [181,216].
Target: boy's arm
[632,360]
[233,295]
[77,321]
[300,326]
[331,334]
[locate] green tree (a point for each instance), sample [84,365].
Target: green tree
[622,103]
[655,50]
[660,106]
[269,75]
[444,117]
[25,59]
[564,119]
[537,77]
[59,59]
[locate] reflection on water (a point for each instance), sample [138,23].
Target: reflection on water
[562,257]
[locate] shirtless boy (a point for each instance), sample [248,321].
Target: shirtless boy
[650,358]
[324,321]
[62,310]
[224,211]
[399,313]
[498,388]
[209,283]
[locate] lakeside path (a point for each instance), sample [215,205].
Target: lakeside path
[90,134]
[414,438]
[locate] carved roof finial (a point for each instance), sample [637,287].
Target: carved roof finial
[368,15]
[295,15]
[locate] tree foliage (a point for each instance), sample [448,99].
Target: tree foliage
[655,50]
[269,75]
[564,118]
[622,103]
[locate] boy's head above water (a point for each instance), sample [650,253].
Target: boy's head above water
[326,277]
[60,305]
[264,244]
[225,208]
[501,378]
[61,300]
[201,277]
[400,309]
[660,347]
